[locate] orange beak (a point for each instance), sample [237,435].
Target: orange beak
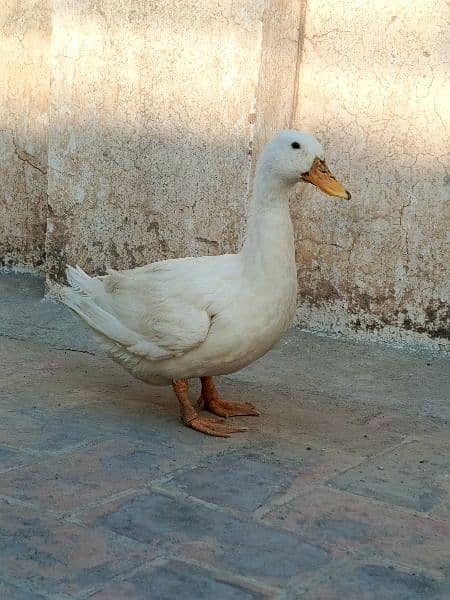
[320,176]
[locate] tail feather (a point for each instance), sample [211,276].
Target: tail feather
[81,282]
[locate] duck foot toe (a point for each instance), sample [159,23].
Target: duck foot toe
[223,408]
[216,427]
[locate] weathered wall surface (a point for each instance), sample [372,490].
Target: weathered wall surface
[157,111]
[24,90]
[151,114]
[374,86]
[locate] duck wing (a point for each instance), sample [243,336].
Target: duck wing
[152,312]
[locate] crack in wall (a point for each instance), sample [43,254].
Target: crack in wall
[29,159]
[405,231]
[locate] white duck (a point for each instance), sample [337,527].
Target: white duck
[198,317]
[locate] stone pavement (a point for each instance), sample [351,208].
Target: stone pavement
[341,489]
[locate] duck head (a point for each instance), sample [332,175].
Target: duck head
[293,156]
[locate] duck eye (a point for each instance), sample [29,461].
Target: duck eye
[295,145]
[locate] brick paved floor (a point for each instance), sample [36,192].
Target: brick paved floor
[341,489]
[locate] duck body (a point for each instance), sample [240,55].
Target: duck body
[210,315]
[173,320]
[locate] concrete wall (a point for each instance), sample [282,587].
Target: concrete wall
[374,86]
[158,110]
[151,116]
[24,92]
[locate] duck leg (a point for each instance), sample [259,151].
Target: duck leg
[191,418]
[209,398]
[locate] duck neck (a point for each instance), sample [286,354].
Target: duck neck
[269,243]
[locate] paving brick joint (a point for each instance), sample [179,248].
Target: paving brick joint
[341,489]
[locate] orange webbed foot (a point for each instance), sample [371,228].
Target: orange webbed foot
[191,418]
